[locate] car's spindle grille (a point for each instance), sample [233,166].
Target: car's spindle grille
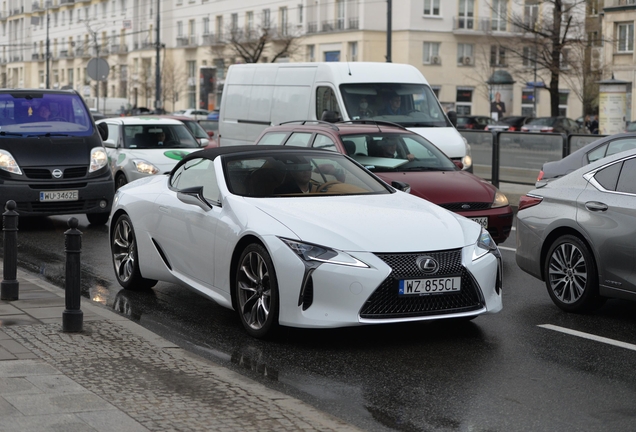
[466,206]
[385,302]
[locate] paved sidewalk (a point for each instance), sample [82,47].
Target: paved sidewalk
[118,376]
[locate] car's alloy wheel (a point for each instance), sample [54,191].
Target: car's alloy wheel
[256,291]
[571,276]
[125,260]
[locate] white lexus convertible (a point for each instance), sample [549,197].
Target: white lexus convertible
[303,238]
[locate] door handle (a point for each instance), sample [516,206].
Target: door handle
[596,206]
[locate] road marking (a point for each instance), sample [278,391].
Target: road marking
[507,248]
[589,336]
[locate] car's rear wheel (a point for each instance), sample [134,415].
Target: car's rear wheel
[571,275]
[97,218]
[256,291]
[123,245]
[120,180]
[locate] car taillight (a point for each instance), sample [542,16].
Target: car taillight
[486,128]
[470,126]
[540,175]
[524,129]
[547,129]
[512,128]
[527,201]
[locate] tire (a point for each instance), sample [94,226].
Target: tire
[97,218]
[571,276]
[256,292]
[120,180]
[123,246]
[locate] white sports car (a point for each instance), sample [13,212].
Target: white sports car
[301,237]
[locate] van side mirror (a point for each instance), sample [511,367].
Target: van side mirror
[103,131]
[452,116]
[330,116]
[404,187]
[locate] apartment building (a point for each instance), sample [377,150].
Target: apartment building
[459,45]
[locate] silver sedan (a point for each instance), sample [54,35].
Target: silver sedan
[578,234]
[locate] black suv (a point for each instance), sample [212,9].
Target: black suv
[52,160]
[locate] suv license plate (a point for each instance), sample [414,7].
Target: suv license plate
[68,195]
[422,287]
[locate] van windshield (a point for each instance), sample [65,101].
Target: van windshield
[33,113]
[410,105]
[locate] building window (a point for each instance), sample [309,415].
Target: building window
[436,90]
[466,14]
[219,26]
[179,28]
[529,56]
[465,54]
[625,37]
[431,7]
[530,13]
[563,103]
[283,20]
[499,15]
[464,99]
[249,21]
[206,25]
[234,22]
[497,56]
[353,51]
[592,7]
[431,53]
[192,83]
[266,19]
[332,56]
[219,64]
[300,13]
[311,53]
[565,60]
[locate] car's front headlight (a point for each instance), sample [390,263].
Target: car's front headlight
[99,159]
[500,200]
[145,167]
[467,160]
[8,163]
[321,254]
[484,245]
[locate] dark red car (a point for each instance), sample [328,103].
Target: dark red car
[398,155]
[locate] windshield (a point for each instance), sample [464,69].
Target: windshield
[158,136]
[410,105]
[396,152]
[305,174]
[510,120]
[543,121]
[27,114]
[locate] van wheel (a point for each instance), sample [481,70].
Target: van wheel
[97,218]
[120,180]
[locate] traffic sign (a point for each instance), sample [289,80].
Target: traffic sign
[97,69]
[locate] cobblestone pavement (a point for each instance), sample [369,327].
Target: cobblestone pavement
[134,380]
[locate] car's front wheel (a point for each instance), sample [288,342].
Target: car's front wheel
[571,275]
[120,180]
[256,291]
[123,245]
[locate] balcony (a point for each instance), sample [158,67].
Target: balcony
[484,25]
[146,45]
[63,54]
[35,56]
[16,58]
[36,6]
[67,1]
[207,39]
[337,25]
[119,49]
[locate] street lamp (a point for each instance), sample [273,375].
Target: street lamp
[48,44]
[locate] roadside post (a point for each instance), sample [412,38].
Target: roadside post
[72,317]
[10,286]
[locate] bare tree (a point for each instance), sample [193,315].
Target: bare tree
[250,45]
[551,38]
[173,82]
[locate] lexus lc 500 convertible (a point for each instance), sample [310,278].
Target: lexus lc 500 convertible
[301,237]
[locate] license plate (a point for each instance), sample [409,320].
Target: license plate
[429,286]
[68,195]
[483,221]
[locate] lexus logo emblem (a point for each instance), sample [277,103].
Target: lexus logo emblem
[427,264]
[57,173]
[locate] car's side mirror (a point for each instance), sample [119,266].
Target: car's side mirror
[110,144]
[330,116]
[194,196]
[452,116]
[103,131]
[210,134]
[404,187]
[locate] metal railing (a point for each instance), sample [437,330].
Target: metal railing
[517,157]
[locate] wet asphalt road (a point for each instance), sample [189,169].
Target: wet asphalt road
[497,373]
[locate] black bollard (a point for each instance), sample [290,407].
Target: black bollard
[72,317]
[10,286]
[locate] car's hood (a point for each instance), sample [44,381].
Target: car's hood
[164,159]
[378,223]
[441,187]
[446,138]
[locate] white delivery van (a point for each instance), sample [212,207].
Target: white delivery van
[263,94]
